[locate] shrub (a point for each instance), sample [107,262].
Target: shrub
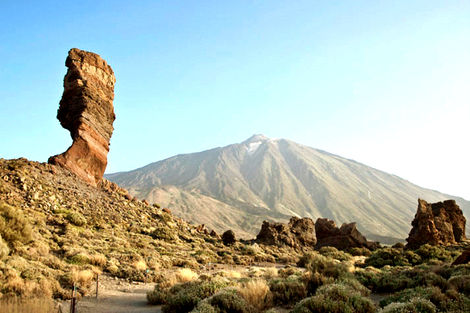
[157,296]
[334,253]
[407,294]
[13,225]
[80,258]
[204,307]
[415,305]
[315,280]
[335,298]
[253,249]
[461,283]
[383,281]
[326,266]
[387,256]
[184,297]
[230,301]
[287,291]
[356,251]
[450,301]
[75,218]
[164,233]
[428,252]
[355,285]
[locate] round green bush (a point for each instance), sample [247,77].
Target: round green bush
[415,305]
[335,298]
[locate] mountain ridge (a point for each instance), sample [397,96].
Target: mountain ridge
[273,179]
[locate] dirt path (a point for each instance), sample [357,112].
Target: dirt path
[117,296]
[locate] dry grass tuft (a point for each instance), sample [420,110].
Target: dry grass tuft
[83,278]
[256,292]
[186,274]
[98,259]
[140,265]
[270,272]
[229,274]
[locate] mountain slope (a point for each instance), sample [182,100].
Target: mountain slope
[242,184]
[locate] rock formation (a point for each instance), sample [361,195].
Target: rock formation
[86,110]
[297,233]
[464,258]
[345,237]
[228,238]
[439,223]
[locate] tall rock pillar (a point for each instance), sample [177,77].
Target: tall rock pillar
[86,110]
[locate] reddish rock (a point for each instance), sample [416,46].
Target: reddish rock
[439,223]
[166,210]
[345,237]
[202,229]
[299,232]
[86,110]
[464,258]
[214,234]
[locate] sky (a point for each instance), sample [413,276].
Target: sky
[386,83]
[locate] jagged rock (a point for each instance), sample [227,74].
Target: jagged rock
[439,223]
[202,229]
[228,238]
[297,233]
[86,110]
[464,258]
[345,237]
[214,234]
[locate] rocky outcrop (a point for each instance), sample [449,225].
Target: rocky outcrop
[439,223]
[228,238]
[464,258]
[297,233]
[345,237]
[86,110]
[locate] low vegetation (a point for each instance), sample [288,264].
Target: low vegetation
[43,210]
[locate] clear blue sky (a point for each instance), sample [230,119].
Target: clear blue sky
[386,83]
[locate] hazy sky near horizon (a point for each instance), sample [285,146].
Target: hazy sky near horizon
[386,83]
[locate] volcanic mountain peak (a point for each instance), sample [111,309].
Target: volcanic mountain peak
[240,185]
[257,138]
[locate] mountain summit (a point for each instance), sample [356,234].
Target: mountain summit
[240,185]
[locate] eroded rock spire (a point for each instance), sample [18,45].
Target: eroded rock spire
[86,110]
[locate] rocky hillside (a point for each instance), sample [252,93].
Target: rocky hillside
[240,185]
[56,229]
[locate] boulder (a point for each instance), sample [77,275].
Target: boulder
[86,110]
[299,232]
[464,258]
[439,223]
[228,238]
[214,234]
[343,238]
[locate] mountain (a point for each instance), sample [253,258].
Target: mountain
[238,186]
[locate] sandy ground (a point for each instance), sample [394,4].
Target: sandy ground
[116,296]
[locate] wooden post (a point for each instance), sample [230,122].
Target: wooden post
[72,301]
[97,284]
